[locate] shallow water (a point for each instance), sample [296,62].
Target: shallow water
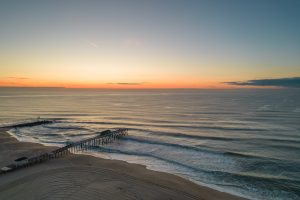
[245,142]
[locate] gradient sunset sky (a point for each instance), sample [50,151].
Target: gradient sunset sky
[147,44]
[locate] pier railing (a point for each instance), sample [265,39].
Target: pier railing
[102,138]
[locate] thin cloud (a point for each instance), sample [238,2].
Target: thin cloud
[127,83]
[19,78]
[293,82]
[91,43]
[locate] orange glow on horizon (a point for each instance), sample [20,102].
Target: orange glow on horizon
[121,85]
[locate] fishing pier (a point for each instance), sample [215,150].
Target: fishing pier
[102,138]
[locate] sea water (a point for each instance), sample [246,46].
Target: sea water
[243,141]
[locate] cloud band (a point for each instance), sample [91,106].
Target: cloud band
[293,82]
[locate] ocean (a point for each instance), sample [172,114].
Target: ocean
[241,141]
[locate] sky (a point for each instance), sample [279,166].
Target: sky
[148,43]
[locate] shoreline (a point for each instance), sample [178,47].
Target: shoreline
[80,176]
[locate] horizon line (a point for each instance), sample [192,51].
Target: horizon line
[100,88]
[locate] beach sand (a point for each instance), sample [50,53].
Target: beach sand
[85,177]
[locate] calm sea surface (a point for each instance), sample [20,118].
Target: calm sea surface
[245,142]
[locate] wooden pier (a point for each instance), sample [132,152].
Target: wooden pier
[102,138]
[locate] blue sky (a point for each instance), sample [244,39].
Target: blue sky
[204,39]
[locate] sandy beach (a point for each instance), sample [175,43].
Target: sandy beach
[87,177]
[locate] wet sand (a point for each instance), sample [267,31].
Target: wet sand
[85,177]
